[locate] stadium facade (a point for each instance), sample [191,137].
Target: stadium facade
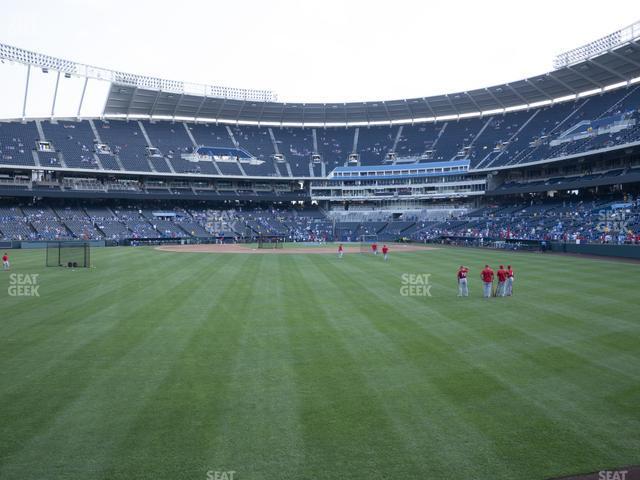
[166,152]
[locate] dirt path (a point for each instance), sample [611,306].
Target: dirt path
[292,250]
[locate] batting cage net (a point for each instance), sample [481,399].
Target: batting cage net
[271,242]
[68,254]
[368,243]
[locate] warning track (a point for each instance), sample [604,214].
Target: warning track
[288,250]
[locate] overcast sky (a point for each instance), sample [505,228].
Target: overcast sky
[327,50]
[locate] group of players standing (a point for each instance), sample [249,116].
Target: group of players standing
[504,288]
[374,250]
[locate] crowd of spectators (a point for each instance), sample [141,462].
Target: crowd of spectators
[609,219]
[606,220]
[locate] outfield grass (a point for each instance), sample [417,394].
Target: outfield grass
[158,365]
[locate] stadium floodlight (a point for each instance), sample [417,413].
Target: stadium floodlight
[598,47]
[20,55]
[47,62]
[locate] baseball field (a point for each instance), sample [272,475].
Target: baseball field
[174,365]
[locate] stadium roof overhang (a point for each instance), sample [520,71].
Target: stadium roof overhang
[615,66]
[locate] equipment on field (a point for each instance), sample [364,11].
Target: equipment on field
[366,241]
[273,241]
[68,254]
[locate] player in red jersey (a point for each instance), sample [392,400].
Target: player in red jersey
[487,281]
[374,248]
[385,251]
[5,261]
[502,282]
[340,251]
[510,277]
[463,289]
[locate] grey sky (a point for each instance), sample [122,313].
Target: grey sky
[316,51]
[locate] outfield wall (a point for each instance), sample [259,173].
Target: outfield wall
[604,250]
[34,245]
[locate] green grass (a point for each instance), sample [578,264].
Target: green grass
[158,365]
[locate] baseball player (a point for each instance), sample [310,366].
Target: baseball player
[385,251]
[463,289]
[5,262]
[340,251]
[487,281]
[502,282]
[510,277]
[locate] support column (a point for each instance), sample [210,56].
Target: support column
[55,95]
[84,89]
[26,92]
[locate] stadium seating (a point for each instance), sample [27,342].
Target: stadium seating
[78,223]
[14,225]
[544,123]
[108,161]
[508,139]
[113,229]
[374,143]
[394,230]
[563,219]
[569,220]
[17,142]
[536,145]
[456,136]
[257,141]
[417,139]
[296,144]
[133,219]
[171,139]
[49,159]
[74,139]
[498,132]
[127,142]
[334,145]
[210,135]
[45,223]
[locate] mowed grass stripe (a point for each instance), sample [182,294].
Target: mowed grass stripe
[62,289]
[188,406]
[96,309]
[427,419]
[88,322]
[123,363]
[345,426]
[262,436]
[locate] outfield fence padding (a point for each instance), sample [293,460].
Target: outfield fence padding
[604,250]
